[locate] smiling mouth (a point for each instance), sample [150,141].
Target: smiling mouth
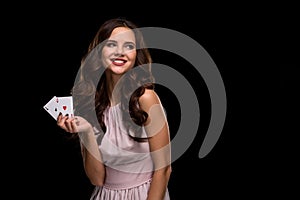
[118,62]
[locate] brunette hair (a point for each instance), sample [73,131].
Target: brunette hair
[89,91]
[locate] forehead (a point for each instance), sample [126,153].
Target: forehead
[122,34]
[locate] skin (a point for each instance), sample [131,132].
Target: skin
[119,54]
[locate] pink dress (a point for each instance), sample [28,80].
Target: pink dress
[129,167]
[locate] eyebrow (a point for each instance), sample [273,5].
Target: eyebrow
[130,42]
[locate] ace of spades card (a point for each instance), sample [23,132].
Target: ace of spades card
[58,105]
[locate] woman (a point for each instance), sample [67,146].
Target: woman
[124,134]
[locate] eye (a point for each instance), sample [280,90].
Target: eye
[130,46]
[110,44]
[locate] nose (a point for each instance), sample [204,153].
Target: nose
[119,51]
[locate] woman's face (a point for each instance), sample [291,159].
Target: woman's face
[119,51]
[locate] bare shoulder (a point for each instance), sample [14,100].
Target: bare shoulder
[149,98]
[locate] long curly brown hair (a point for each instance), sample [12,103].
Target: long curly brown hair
[89,92]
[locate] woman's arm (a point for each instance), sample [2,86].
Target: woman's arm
[159,141]
[92,161]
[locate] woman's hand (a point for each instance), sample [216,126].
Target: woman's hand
[75,124]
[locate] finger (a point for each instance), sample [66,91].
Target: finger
[59,117]
[74,126]
[68,124]
[61,120]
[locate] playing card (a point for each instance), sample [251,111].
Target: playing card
[51,107]
[58,105]
[65,105]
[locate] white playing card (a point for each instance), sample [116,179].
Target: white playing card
[65,105]
[58,105]
[51,107]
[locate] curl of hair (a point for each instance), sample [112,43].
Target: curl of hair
[89,92]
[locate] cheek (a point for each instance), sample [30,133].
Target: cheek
[105,57]
[105,53]
[132,55]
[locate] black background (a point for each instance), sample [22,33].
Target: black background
[44,55]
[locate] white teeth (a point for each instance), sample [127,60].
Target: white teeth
[118,61]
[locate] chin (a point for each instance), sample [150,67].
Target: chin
[119,72]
